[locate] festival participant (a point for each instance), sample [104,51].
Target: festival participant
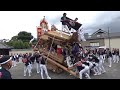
[101,56]
[14,60]
[100,64]
[114,55]
[27,63]
[82,68]
[104,55]
[79,30]
[36,55]
[5,65]
[75,48]
[43,68]
[95,62]
[32,60]
[109,56]
[90,64]
[30,64]
[81,35]
[64,21]
[87,63]
[69,61]
[117,55]
[20,57]
[17,57]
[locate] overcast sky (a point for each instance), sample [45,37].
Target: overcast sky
[12,22]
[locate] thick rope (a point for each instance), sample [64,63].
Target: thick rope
[50,48]
[37,43]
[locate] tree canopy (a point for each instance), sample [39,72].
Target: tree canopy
[24,36]
[21,41]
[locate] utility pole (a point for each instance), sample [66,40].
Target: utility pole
[109,37]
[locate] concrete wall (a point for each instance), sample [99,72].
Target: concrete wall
[114,43]
[22,51]
[87,43]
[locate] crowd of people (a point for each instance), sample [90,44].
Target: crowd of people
[83,61]
[29,59]
[16,58]
[87,60]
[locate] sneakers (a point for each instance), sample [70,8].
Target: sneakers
[103,71]
[38,72]
[24,75]
[48,77]
[29,75]
[95,74]
[109,66]
[99,73]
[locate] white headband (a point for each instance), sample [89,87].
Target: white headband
[6,61]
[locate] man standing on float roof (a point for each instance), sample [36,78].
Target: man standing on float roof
[64,21]
[5,65]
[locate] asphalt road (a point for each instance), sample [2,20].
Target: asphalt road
[111,73]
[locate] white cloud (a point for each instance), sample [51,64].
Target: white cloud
[12,22]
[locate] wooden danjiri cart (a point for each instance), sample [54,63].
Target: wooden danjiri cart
[55,59]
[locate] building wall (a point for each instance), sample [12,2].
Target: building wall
[114,43]
[87,43]
[20,51]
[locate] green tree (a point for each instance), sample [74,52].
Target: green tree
[10,43]
[16,44]
[21,44]
[14,38]
[34,41]
[26,45]
[21,41]
[24,36]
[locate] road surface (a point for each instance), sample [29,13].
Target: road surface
[111,73]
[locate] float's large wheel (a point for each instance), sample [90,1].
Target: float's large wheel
[54,68]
